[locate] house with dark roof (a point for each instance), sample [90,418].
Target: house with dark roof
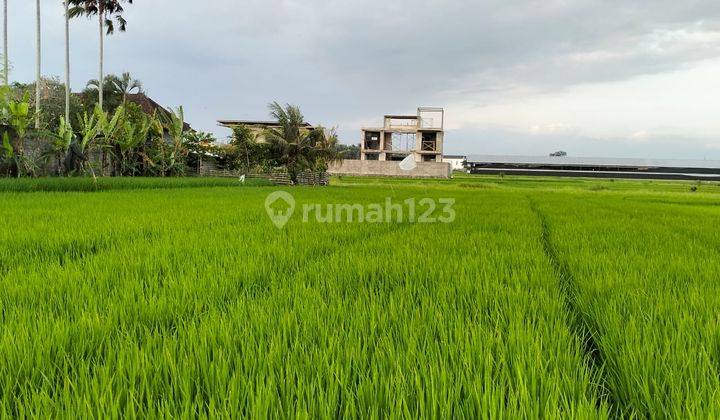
[150,107]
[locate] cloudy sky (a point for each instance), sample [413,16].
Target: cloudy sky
[615,78]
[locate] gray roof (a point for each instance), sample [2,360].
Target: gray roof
[592,161]
[230,123]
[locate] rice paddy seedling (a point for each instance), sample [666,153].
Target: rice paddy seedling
[108,184]
[539,300]
[645,280]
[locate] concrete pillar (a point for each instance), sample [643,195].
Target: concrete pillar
[362,146]
[439,145]
[381,156]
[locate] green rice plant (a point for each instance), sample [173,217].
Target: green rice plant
[190,302]
[170,298]
[645,274]
[86,184]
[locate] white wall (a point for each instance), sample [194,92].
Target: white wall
[456,164]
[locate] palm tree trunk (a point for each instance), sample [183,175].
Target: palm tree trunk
[67,61]
[101,15]
[38,68]
[6,65]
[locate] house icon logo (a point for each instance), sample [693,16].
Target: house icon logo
[280,206]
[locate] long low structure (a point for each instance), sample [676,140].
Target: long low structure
[390,168]
[708,170]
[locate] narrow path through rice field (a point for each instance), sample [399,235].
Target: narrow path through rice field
[581,326]
[645,279]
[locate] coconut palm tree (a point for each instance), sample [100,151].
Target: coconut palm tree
[105,10]
[290,145]
[327,148]
[296,146]
[126,85]
[38,67]
[6,65]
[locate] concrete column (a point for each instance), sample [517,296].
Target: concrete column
[362,146]
[381,155]
[418,142]
[440,143]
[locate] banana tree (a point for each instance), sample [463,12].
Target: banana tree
[18,117]
[153,152]
[8,153]
[110,128]
[130,138]
[176,153]
[77,158]
[62,139]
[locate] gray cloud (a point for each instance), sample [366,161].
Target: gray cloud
[501,140]
[346,62]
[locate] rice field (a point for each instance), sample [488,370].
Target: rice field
[179,298]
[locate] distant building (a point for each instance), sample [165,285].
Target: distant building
[708,170]
[257,127]
[150,107]
[457,162]
[420,135]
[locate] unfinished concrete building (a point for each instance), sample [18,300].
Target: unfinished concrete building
[418,135]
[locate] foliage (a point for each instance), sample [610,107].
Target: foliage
[245,153]
[169,149]
[112,97]
[84,184]
[127,142]
[131,138]
[8,152]
[297,147]
[60,144]
[53,101]
[115,90]
[108,9]
[125,84]
[77,159]
[20,116]
[351,152]
[199,146]
[16,119]
[122,140]
[326,146]
[174,123]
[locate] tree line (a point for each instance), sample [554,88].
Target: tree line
[98,132]
[125,140]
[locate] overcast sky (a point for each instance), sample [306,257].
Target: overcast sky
[612,78]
